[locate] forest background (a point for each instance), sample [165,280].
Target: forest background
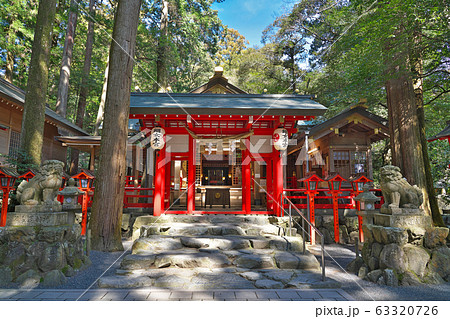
[335,50]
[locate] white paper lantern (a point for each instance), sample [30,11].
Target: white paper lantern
[280,139]
[158,138]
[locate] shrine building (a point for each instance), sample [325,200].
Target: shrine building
[218,156]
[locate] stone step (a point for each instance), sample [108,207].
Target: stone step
[199,229]
[211,219]
[227,278]
[209,224]
[151,244]
[215,258]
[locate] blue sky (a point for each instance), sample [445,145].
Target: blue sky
[250,17]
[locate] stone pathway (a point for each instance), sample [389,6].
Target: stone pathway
[216,252]
[175,295]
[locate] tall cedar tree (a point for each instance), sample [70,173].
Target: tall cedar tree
[66,62]
[161,61]
[32,134]
[84,90]
[107,208]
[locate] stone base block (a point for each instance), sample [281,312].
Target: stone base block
[39,219]
[400,210]
[403,220]
[55,207]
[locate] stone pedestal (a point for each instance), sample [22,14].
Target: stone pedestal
[402,248]
[45,208]
[40,219]
[40,248]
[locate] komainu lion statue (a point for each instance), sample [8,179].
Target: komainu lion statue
[42,188]
[397,192]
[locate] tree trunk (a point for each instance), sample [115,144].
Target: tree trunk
[101,106]
[84,91]
[32,134]
[406,146]
[433,203]
[64,75]
[9,71]
[106,218]
[161,61]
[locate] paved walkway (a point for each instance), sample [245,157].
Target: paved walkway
[174,295]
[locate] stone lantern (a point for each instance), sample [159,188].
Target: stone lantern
[367,199]
[70,203]
[367,208]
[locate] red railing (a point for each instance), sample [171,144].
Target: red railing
[130,193]
[349,199]
[137,193]
[129,180]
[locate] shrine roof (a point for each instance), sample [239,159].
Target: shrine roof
[17,96]
[220,104]
[445,133]
[382,122]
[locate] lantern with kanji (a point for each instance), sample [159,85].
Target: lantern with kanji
[280,139]
[8,177]
[358,181]
[311,184]
[158,138]
[85,183]
[334,185]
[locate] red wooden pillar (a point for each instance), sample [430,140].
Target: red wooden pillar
[277,181]
[167,182]
[158,199]
[336,216]
[84,208]
[269,182]
[191,176]
[246,179]
[312,218]
[4,209]
[360,222]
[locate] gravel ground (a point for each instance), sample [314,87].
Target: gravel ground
[365,290]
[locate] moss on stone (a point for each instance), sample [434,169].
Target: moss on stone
[77,263]
[65,269]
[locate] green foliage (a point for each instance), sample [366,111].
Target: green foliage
[230,46]
[354,44]
[21,161]
[193,33]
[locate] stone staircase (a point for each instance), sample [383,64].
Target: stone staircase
[198,252]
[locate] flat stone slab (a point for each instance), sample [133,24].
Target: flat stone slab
[138,262]
[155,244]
[222,243]
[172,281]
[254,261]
[283,276]
[252,275]
[220,281]
[312,281]
[268,284]
[124,282]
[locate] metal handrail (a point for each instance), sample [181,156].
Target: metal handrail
[322,240]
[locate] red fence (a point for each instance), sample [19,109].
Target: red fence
[131,196]
[344,201]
